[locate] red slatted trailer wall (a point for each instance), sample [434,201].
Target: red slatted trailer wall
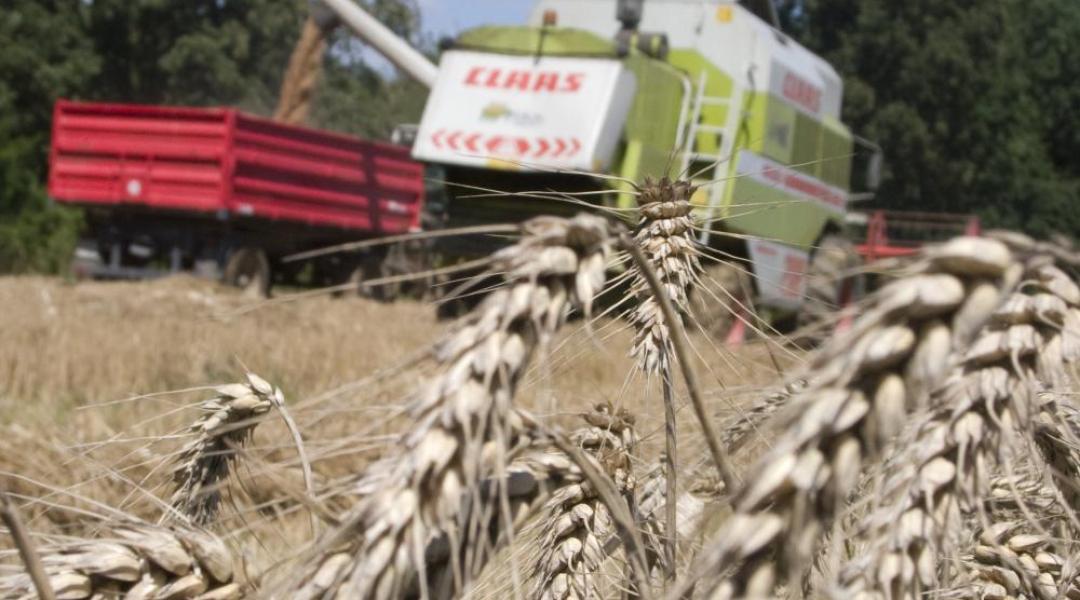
[223,163]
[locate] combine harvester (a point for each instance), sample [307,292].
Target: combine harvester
[595,93]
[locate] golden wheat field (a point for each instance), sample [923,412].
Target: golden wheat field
[176,439]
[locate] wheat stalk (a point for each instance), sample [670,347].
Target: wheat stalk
[464,422]
[136,560]
[579,523]
[944,465]
[35,572]
[665,235]
[860,387]
[204,463]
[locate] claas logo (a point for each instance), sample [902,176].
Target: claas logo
[494,111]
[524,80]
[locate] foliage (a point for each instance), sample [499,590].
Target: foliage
[974,102]
[187,52]
[44,53]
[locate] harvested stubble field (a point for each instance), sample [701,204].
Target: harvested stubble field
[929,450]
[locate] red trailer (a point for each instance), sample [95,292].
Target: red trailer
[216,188]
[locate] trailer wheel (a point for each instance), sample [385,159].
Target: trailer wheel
[831,284]
[366,269]
[713,303]
[249,270]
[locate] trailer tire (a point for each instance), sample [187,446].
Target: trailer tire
[364,269]
[831,283]
[248,269]
[713,302]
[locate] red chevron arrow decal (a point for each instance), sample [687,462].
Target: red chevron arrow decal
[560,147]
[575,146]
[452,141]
[437,138]
[543,148]
[522,146]
[471,141]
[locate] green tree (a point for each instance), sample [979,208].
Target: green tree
[971,100]
[45,53]
[193,52]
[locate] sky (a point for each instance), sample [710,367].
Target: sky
[449,17]
[442,18]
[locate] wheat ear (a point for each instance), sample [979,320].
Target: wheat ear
[528,482]
[135,561]
[579,524]
[1023,245]
[944,464]
[226,424]
[463,419]
[860,387]
[1015,549]
[665,235]
[1057,436]
[738,430]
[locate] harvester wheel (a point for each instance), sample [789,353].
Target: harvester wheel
[715,302]
[832,282]
[249,270]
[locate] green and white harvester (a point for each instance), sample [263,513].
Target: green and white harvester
[593,94]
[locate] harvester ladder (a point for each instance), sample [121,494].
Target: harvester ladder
[720,161]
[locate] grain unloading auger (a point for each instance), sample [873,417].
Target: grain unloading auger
[577,101]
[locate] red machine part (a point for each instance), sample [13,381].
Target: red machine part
[891,234]
[223,162]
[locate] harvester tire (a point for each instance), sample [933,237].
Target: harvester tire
[724,285]
[832,280]
[249,270]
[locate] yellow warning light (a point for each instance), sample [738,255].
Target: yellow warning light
[724,14]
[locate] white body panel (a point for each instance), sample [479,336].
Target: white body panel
[729,36]
[803,187]
[521,112]
[780,271]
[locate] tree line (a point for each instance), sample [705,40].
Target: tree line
[975,102]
